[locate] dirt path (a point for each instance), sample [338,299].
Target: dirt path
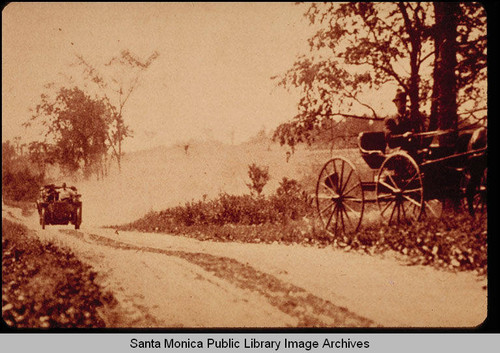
[168,281]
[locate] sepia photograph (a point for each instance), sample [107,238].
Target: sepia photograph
[246,165]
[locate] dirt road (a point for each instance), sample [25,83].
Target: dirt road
[168,281]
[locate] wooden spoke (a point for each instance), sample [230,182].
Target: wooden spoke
[390,187]
[405,196]
[347,181]
[327,207]
[331,217]
[386,207]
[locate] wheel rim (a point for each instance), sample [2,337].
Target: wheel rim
[399,189]
[339,196]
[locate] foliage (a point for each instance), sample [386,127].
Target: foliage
[472,56]
[288,188]
[8,155]
[41,155]
[20,180]
[359,48]
[289,203]
[21,185]
[259,176]
[77,124]
[454,242]
[44,286]
[326,134]
[117,80]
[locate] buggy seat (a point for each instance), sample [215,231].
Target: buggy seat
[372,146]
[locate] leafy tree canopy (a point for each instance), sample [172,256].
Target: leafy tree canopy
[360,48]
[116,81]
[76,126]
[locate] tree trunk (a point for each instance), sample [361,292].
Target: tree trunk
[444,95]
[413,93]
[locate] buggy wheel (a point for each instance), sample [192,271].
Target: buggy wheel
[43,213]
[339,196]
[399,189]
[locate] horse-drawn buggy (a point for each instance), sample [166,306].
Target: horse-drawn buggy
[412,175]
[59,205]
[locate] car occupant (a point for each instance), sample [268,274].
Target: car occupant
[65,193]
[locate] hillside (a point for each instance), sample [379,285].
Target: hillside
[168,176]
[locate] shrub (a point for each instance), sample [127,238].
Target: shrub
[21,185]
[288,187]
[288,203]
[454,241]
[259,177]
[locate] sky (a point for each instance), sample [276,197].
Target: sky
[212,78]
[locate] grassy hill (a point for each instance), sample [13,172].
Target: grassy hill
[167,176]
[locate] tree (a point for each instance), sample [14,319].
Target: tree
[460,62]
[360,48]
[41,155]
[8,156]
[116,89]
[444,94]
[77,126]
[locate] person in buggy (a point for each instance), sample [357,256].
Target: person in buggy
[48,193]
[65,193]
[398,128]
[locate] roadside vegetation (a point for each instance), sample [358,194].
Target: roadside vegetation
[44,286]
[21,177]
[455,241]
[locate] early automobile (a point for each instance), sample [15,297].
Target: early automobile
[59,205]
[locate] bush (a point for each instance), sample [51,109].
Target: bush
[287,204]
[259,177]
[290,201]
[21,185]
[455,241]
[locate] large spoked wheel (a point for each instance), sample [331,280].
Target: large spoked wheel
[339,196]
[399,189]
